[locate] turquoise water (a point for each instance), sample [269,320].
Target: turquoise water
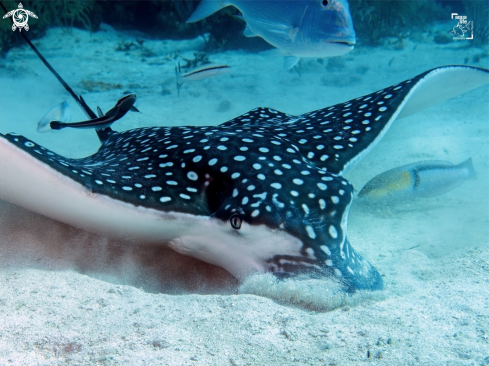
[68,296]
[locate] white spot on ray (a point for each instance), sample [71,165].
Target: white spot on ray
[310,252]
[325,249]
[192,176]
[261,195]
[310,232]
[322,204]
[333,232]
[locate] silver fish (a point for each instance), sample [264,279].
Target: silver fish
[297,28]
[417,180]
[200,73]
[60,112]
[203,73]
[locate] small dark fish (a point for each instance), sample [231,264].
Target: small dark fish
[132,109]
[417,180]
[122,106]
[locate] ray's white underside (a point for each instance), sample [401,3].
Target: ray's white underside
[27,182]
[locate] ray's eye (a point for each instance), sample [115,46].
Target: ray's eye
[236,221]
[325,3]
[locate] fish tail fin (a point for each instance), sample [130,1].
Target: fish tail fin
[205,9]
[467,164]
[56,125]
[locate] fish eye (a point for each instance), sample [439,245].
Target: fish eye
[236,221]
[324,3]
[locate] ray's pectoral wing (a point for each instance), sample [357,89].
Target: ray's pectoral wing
[261,116]
[71,168]
[344,133]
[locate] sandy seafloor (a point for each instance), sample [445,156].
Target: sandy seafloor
[68,297]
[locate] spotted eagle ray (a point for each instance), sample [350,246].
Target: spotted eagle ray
[260,193]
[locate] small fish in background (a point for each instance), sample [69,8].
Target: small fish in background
[60,112]
[417,180]
[297,28]
[200,73]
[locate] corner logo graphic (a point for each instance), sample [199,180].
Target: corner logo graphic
[463,29]
[20,17]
